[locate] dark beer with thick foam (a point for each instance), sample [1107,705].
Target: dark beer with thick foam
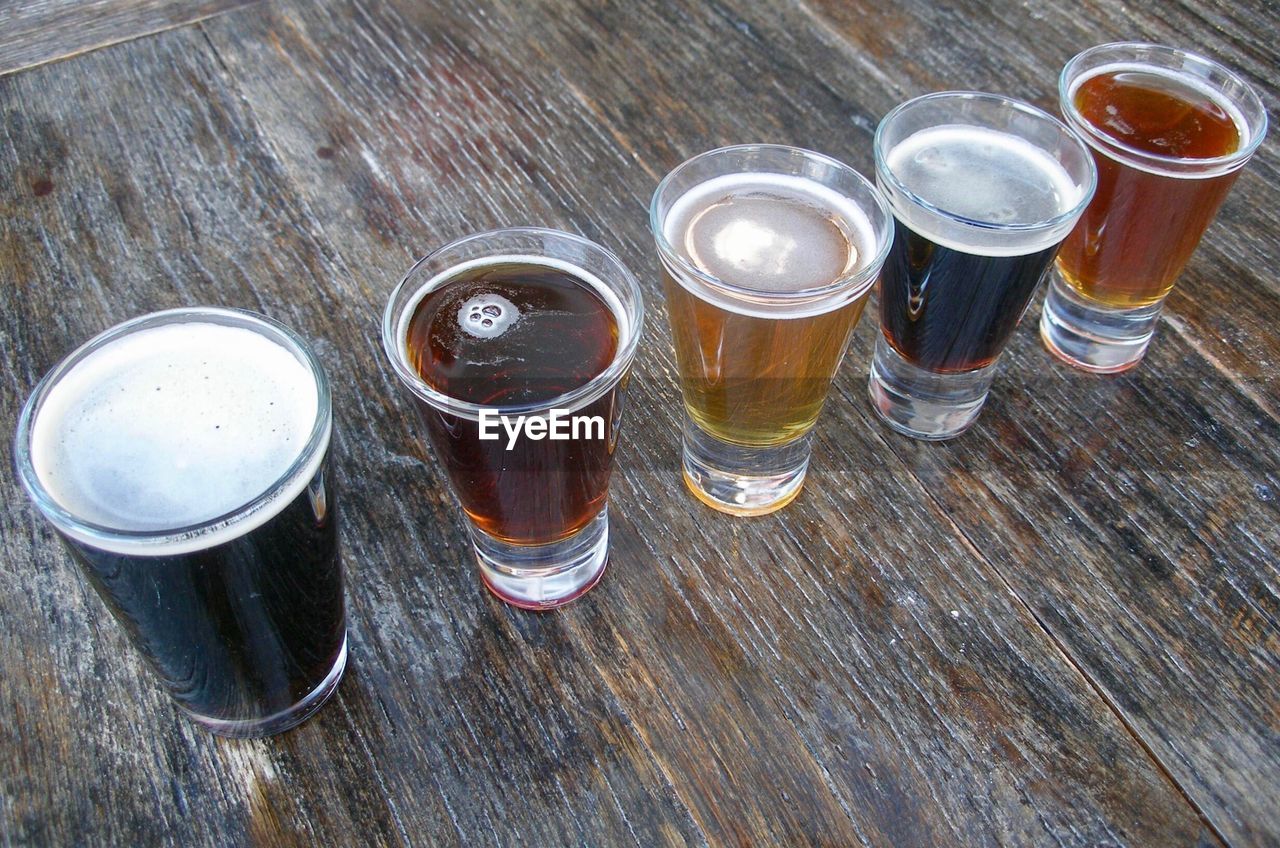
[188,463]
[950,306]
[499,334]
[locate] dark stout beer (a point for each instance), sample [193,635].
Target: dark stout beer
[951,310]
[1143,225]
[500,334]
[193,455]
[948,305]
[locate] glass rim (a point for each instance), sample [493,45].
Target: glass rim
[1062,218]
[572,399]
[66,520]
[856,281]
[1227,162]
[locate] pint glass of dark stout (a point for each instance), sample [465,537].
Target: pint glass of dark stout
[1170,132]
[516,346]
[769,254]
[183,458]
[983,189]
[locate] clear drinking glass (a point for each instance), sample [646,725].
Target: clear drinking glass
[983,189]
[1170,132]
[768,255]
[524,326]
[183,459]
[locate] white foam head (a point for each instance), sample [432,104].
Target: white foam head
[175,425]
[1001,182]
[769,233]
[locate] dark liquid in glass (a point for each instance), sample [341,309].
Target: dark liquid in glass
[946,310]
[246,628]
[548,333]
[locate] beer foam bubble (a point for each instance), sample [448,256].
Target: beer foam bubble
[173,425]
[487,315]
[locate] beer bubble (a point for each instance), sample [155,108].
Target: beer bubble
[487,316]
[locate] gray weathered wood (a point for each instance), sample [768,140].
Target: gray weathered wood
[37,31]
[458,722]
[1060,629]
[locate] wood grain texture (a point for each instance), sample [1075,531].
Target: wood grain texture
[1060,629]
[1199,677]
[460,723]
[36,31]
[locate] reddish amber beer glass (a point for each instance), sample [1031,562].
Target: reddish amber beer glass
[1170,132]
[516,346]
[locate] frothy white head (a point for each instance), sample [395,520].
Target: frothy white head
[769,233]
[986,176]
[173,425]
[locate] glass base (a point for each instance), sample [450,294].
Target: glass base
[925,404]
[1093,337]
[285,719]
[543,577]
[743,480]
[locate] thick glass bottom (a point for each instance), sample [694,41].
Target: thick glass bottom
[285,719]
[743,480]
[1093,337]
[543,577]
[925,404]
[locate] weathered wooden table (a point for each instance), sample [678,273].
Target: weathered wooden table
[1059,629]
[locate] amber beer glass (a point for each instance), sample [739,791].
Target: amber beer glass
[1169,132]
[516,346]
[768,255]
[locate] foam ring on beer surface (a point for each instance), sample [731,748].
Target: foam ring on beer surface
[779,255]
[174,426]
[1100,139]
[984,191]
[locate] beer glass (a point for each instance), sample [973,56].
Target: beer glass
[768,256]
[1169,132]
[516,346]
[183,459]
[983,189]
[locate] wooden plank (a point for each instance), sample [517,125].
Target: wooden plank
[1226,304]
[459,722]
[1157,488]
[1193,656]
[36,31]
[914,680]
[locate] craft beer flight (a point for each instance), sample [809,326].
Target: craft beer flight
[183,457]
